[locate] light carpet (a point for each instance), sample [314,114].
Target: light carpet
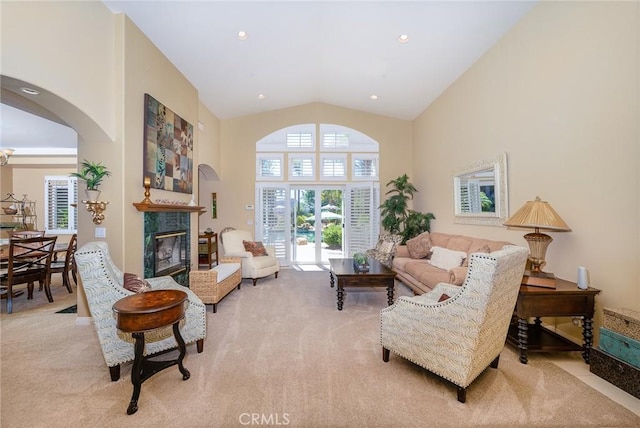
[278,354]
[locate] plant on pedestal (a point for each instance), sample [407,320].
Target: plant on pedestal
[92,173]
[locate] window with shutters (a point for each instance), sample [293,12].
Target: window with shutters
[333,167]
[365,167]
[59,214]
[269,166]
[302,167]
[363,225]
[300,140]
[335,140]
[316,157]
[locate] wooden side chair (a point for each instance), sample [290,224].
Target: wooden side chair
[29,261]
[66,266]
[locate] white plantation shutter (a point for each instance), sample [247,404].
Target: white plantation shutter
[272,216]
[363,225]
[333,167]
[301,167]
[299,140]
[59,215]
[365,167]
[470,201]
[335,140]
[269,167]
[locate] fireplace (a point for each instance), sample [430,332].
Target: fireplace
[170,253]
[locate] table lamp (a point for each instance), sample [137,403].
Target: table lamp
[538,215]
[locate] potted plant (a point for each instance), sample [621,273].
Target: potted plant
[360,262]
[397,218]
[92,173]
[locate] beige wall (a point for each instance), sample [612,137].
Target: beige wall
[560,94]
[67,49]
[239,137]
[146,70]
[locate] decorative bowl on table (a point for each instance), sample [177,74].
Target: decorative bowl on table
[10,210]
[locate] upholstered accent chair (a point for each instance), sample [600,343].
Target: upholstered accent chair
[253,267]
[385,248]
[456,332]
[103,285]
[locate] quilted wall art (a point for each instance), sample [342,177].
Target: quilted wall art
[168,148]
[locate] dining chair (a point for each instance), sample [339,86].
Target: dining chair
[66,266]
[29,261]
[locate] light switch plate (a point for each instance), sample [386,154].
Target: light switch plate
[101,232]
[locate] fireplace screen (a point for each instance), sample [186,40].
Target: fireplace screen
[170,255]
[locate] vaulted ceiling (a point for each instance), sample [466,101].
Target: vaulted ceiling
[336,52]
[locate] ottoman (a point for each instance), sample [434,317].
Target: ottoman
[212,285]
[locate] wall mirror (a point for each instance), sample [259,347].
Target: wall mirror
[480,192]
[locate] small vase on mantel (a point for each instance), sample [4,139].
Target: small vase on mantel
[93,195]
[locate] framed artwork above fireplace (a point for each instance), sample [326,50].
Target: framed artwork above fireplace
[168,148]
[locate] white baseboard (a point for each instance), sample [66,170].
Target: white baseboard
[84,321]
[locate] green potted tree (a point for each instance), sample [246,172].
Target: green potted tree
[92,173]
[397,218]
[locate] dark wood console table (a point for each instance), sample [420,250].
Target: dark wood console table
[142,312]
[566,300]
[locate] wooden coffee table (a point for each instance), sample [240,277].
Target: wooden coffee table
[377,276]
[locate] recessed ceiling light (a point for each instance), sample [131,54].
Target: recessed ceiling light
[242,35]
[29,91]
[261,97]
[373,97]
[403,38]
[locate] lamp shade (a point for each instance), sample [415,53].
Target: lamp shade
[538,214]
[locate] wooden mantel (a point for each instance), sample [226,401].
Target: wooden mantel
[158,208]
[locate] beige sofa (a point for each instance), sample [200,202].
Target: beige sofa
[413,262]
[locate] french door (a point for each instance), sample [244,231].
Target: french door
[308,224]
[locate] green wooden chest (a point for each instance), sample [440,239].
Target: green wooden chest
[621,347]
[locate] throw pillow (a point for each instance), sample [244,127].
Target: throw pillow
[420,246]
[134,283]
[446,259]
[256,248]
[476,249]
[443,297]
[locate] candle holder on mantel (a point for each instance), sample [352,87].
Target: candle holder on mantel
[147,191]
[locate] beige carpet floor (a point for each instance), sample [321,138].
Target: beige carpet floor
[279,354]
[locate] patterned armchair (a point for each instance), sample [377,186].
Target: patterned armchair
[385,248]
[456,332]
[103,285]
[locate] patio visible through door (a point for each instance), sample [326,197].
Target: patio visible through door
[317,224]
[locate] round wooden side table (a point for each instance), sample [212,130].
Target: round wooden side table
[142,312]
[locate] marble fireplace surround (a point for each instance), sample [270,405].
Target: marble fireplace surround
[166,218]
